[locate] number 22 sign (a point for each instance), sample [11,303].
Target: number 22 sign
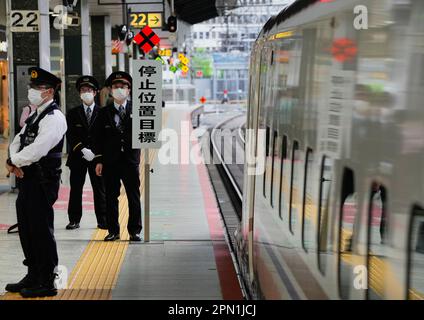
[25,21]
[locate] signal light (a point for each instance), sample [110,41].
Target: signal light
[172,24]
[122,32]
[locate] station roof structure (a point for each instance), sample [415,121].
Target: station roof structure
[190,11]
[195,11]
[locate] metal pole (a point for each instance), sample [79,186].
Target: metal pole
[131,57]
[11,82]
[146,196]
[62,71]
[174,87]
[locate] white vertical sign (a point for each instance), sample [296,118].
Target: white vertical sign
[147,104]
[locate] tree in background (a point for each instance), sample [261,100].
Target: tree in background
[202,61]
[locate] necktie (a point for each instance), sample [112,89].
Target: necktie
[121,118]
[88,115]
[122,112]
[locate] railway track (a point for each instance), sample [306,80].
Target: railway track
[227,138]
[227,149]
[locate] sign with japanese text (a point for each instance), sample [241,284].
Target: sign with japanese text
[147,104]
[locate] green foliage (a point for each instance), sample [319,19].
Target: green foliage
[201,60]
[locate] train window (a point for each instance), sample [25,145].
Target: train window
[377,251]
[323,207]
[347,230]
[274,154]
[295,185]
[282,181]
[309,212]
[416,255]
[266,158]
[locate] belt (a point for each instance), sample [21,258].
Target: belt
[54,155]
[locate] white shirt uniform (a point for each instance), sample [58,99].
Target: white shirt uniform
[51,130]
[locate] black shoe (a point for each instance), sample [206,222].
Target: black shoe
[135,237]
[112,237]
[72,226]
[39,291]
[26,282]
[102,226]
[44,288]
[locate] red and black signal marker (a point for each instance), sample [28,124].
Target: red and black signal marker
[146,39]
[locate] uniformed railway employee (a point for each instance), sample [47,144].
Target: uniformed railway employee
[81,121]
[115,158]
[35,158]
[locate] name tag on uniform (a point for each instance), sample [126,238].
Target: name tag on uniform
[78,125]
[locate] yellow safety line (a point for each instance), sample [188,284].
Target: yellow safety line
[96,272]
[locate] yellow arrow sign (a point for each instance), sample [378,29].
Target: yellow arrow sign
[155,20]
[141,19]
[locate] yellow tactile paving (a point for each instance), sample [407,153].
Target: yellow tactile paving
[96,272]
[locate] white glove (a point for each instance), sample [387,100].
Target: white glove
[88,154]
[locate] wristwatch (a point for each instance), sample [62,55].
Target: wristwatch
[9,162]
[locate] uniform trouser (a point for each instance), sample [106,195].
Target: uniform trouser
[34,207]
[130,176]
[77,180]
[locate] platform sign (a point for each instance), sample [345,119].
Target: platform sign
[141,19]
[165,52]
[147,104]
[25,21]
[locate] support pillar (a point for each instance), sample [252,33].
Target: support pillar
[108,46]
[85,38]
[44,35]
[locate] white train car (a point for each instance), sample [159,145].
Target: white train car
[336,109]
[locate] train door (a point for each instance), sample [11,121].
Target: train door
[259,151]
[252,154]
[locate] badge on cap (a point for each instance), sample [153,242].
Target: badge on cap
[118,76]
[34,74]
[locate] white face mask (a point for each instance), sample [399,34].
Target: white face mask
[87,97]
[120,94]
[34,97]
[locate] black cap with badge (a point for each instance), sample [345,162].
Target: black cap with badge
[40,76]
[119,76]
[87,81]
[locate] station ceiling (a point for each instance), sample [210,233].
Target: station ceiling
[190,11]
[195,11]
